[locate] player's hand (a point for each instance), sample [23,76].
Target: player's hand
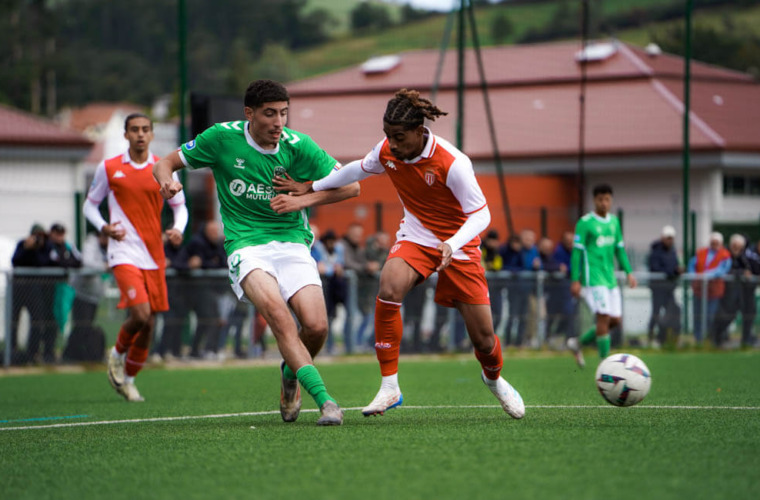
[115,231]
[575,289]
[175,236]
[283,203]
[170,188]
[445,250]
[286,184]
[632,281]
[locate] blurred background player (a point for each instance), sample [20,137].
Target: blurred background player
[598,241]
[444,212]
[135,246]
[268,253]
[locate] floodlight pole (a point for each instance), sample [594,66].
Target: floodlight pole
[686,146]
[460,76]
[582,110]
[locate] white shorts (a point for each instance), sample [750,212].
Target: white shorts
[291,264]
[603,300]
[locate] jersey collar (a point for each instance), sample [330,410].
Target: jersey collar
[606,218]
[428,150]
[254,145]
[125,158]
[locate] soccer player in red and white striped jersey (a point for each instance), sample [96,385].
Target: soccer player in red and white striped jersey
[135,246]
[444,212]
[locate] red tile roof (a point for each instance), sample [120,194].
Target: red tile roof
[634,103]
[98,113]
[18,128]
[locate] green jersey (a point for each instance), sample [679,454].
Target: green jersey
[243,172]
[597,242]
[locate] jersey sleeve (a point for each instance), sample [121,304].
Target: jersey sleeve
[99,187]
[318,164]
[622,256]
[464,186]
[579,248]
[371,162]
[201,151]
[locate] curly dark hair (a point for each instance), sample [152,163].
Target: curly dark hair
[407,108]
[261,91]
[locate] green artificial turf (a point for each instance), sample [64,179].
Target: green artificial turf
[450,440]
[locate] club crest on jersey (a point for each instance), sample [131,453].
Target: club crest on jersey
[390,165]
[239,163]
[429,177]
[279,171]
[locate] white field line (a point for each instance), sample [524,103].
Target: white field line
[439,407]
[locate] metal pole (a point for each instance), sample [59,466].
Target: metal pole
[9,284]
[491,125]
[182,60]
[582,118]
[686,111]
[460,76]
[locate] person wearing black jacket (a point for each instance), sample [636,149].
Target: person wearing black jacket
[205,250]
[666,313]
[738,297]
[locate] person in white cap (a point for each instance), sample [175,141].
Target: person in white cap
[666,313]
[712,262]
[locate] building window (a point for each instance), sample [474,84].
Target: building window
[741,185]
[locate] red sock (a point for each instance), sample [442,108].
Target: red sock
[491,362]
[124,341]
[138,352]
[388,331]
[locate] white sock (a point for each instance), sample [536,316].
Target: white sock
[390,382]
[129,380]
[488,381]
[116,354]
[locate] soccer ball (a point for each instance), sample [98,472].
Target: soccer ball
[623,379]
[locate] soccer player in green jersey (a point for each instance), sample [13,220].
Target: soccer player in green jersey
[268,254]
[598,241]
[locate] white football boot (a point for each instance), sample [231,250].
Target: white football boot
[290,397]
[575,347]
[130,392]
[510,399]
[384,401]
[116,371]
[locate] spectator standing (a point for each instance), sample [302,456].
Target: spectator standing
[562,307]
[86,342]
[30,291]
[177,284]
[553,298]
[377,248]
[666,313]
[735,298]
[527,306]
[355,260]
[493,262]
[60,254]
[711,262]
[205,251]
[512,261]
[333,281]
[135,247]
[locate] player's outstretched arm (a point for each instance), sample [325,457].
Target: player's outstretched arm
[163,170]
[283,203]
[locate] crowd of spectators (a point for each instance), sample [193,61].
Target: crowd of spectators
[349,266]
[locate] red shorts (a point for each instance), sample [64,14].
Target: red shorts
[139,286]
[462,281]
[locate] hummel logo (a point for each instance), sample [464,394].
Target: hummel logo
[119,174]
[390,164]
[240,163]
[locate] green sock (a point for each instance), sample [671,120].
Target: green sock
[588,336]
[311,380]
[288,373]
[603,344]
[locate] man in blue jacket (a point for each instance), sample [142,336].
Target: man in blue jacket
[666,313]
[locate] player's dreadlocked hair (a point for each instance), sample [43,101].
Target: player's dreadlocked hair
[261,91]
[407,108]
